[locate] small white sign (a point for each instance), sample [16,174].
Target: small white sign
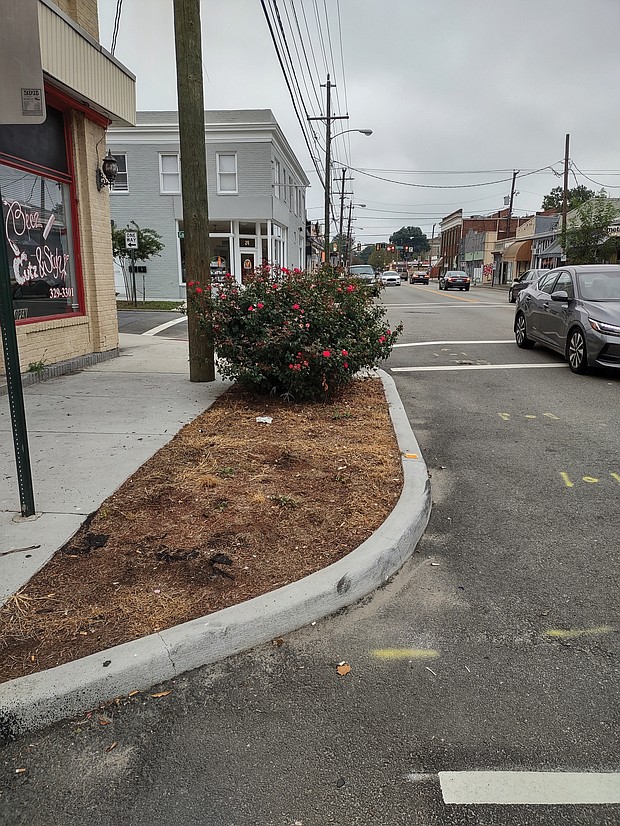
[131,240]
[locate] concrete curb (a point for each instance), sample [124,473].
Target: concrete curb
[32,702]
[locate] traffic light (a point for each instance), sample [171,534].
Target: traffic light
[335,246]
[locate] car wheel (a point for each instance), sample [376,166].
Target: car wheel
[521,338]
[466,289]
[576,351]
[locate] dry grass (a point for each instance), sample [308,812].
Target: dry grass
[228,510]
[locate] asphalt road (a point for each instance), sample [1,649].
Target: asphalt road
[495,649]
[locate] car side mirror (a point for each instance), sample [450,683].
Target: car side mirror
[560,295]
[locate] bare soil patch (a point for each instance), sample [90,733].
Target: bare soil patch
[231,508]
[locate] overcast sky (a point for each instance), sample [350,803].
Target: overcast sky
[447,86]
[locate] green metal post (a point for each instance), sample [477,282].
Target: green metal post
[14,380]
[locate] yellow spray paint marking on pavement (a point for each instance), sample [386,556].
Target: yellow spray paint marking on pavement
[573,633]
[504,416]
[411,456]
[552,416]
[530,416]
[405,654]
[567,480]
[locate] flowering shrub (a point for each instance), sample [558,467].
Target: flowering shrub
[304,336]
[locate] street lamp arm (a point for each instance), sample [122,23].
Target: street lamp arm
[361,131]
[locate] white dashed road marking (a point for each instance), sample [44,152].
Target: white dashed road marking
[530,788]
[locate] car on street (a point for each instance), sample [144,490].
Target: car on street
[454,280]
[418,278]
[364,272]
[574,310]
[390,278]
[521,282]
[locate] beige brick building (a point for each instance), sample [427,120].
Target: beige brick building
[57,219]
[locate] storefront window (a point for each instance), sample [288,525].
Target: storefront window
[37,217]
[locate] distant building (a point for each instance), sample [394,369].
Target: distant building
[454,228]
[256,190]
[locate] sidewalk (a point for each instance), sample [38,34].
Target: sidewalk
[88,432]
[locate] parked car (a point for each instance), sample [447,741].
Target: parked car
[418,278]
[454,279]
[389,278]
[364,272]
[575,311]
[521,282]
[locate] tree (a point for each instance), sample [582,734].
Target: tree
[379,259]
[576,196]
[411,237]
[587,237]
[149,245]
[365,253]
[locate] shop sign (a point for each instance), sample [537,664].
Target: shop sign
[21,91]
[38,246]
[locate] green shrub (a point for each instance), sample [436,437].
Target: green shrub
[298,334]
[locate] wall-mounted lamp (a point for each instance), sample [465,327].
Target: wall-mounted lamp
[106,174]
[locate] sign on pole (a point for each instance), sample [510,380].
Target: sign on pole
[131,240]
[22,99]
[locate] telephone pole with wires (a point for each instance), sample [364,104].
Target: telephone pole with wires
[188,46]
[328,139]
[565,192]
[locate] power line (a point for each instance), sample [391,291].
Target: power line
[598,183]
[117,20]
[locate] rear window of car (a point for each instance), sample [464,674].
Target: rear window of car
[361,269]
[456,274]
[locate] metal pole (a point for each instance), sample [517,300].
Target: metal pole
[133,278]
[14,381]
[340,258]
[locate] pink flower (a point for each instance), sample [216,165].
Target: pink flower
[222,295]
[344,353]
[388,332]
[260,306]
[381,339]
[296,270]
[250,309]
[285,271]
[326,353]
[345,365]
[295,306]
[350,288]
[274,286]
[307,325]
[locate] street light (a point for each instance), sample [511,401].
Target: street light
[328,173]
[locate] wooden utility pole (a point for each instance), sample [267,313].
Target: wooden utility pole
[188,45]
[512,196]
[565,193]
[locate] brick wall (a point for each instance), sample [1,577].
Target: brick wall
[84,12]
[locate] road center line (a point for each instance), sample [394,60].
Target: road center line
[473,367]
[164,326]
[530,788]
[434,343]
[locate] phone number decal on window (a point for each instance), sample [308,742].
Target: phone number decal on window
[61,292]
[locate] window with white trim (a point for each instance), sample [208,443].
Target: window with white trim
[169,173]
[121,184]
[277,180]
[226,173]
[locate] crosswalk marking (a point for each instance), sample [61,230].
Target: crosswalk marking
[472,367]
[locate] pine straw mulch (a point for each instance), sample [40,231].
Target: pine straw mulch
[229,509]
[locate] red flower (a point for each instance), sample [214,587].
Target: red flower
[381,339]
[274,286]
[190,283]
[285,271]
[295,306]
[198,289]
[345,365]
[250,309]
[350,288]
[388,332]
[326,353]
[296,270]
[345,353]
[260,306]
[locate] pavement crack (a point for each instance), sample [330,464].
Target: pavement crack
[172,663]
